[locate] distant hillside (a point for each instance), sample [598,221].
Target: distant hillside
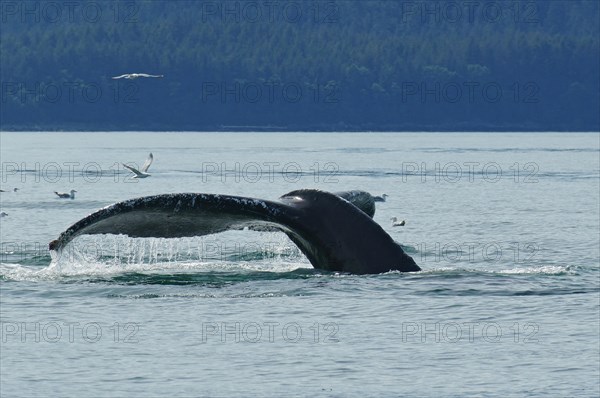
[301,65]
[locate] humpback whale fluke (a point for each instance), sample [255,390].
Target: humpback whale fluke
[334,231]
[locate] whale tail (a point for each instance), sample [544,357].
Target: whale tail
[334,231]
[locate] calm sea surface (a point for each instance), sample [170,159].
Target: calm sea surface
[506,228]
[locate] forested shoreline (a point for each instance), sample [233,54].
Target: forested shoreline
[303,65]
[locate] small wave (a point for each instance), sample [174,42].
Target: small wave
[511,150]
[540,270]
[18,272]
[166,274]
[110,255]
[548,270]
[206,274]
[232,272]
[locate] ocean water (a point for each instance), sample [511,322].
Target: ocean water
[506,228]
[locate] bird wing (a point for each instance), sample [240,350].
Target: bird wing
[147,163]
[132,169]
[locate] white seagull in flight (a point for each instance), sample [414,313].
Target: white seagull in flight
[142,173]
[70,195]
[135,76]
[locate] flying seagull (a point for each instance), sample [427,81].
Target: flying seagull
[64,195]
[396,223]
[136,75]
[142,173]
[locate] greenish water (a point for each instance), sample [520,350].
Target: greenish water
[505,227]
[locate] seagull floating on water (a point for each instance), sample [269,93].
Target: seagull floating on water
[136,75]
[396,223]
[14,190]
[64,195]
[381,198]
[3,214]
[142,173]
